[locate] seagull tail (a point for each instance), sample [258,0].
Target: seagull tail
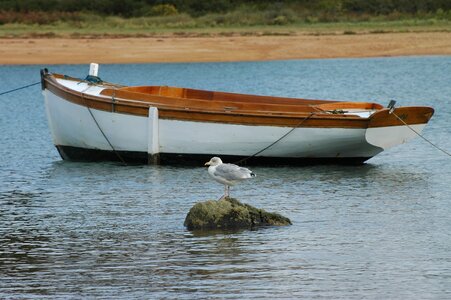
[253,174]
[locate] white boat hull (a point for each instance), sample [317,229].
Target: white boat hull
[76,127]
[86,125]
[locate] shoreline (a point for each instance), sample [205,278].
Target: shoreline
[171,49]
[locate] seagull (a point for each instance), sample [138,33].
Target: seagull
[227,174]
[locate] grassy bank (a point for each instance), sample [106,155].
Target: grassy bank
[163,26]
[66,18]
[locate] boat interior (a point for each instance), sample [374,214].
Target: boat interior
[214,101]
[232,102]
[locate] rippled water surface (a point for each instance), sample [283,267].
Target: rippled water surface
[102,230]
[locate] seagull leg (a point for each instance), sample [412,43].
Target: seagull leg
[225,193]
[228,191]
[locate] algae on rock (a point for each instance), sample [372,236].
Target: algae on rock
[229,213]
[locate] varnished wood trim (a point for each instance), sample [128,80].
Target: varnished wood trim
[186,93]
[410,115]
[210,105]
[349,105]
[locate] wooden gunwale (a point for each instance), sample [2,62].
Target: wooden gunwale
[140,108]
[220,101]
[210,105]
[245,107]
[410,115]
[139,103]
[214,96]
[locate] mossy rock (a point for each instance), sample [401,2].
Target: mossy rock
[229,213]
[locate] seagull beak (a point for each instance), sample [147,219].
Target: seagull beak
[207,163]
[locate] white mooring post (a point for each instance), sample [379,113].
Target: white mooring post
[153,140]
[93,69]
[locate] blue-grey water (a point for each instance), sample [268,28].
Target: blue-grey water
[106,231]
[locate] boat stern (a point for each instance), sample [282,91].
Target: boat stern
[391,127]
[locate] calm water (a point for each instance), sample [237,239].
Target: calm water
[377,231]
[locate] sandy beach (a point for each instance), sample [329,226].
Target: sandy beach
[44,51]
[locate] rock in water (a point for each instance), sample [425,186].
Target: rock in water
[229,213]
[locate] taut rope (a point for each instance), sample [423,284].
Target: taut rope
[420,135]
[20,88]
[278,140]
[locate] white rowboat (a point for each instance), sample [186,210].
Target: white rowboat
[92,120]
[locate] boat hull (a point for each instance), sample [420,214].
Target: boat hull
[77,136]
[89,127]
[132,157]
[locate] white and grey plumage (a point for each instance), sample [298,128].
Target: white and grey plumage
[227,174]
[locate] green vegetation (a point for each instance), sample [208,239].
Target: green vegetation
[156,17]
[229,213]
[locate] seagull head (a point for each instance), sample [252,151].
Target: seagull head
[215,161]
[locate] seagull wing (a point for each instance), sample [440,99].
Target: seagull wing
[232,172]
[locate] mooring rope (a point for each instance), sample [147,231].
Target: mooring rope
[278,140]
[420,135]
[89,109]
[311,114]
[98,126]
[20,88]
